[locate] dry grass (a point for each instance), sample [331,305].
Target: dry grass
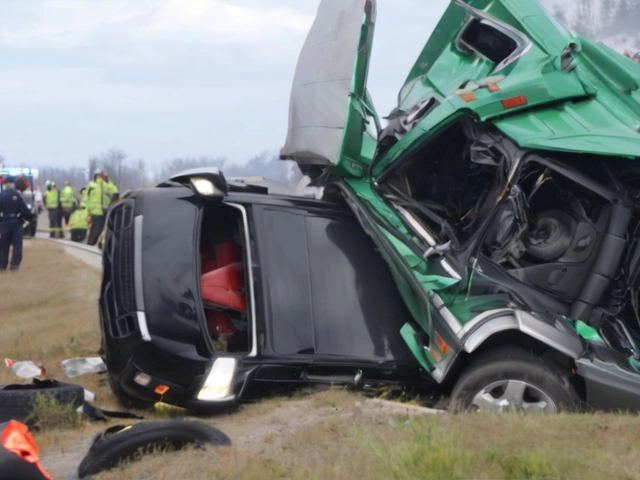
[48,313]
[48,413]
[353,442]
[48,309]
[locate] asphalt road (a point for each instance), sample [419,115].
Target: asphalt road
[92,256]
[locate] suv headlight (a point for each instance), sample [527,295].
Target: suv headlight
[219,383]
[205,186]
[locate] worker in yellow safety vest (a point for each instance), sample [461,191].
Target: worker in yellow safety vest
[96,206]
[52,204]
[83,198]
[110,191]
[78,223]
[67,202]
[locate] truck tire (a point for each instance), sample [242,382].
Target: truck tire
[508,379]
[122,442]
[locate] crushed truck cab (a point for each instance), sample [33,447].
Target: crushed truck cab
[503,194]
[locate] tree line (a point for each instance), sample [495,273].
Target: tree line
[601,19]
[129,173]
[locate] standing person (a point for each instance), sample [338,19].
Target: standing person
[111,190]
[95,206]
[39,199]
[52,204]
[68,202]
[13,213]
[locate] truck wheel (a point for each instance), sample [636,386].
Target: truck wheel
[511,379]
[124,398]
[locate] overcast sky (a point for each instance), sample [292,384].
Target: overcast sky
[167,78]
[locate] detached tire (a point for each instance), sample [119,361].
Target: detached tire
[17,400]
[124,398]
[511,379]
[123,442]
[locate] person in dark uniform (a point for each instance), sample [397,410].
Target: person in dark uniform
[13,213]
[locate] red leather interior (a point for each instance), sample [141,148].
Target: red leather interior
[220,255]
[222,283]
[224,286]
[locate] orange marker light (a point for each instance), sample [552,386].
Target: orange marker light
[434,353]
[493,87]
[444,348]
[514,102]
[161,389]
[468,97]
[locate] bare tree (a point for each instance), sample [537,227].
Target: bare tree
[94,164]
[176,165]
[559,15]
[76,176]
[112,162]
[126,175]
[265,164]
[586,21]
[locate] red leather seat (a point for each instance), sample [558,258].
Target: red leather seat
[224,286]
[220,255]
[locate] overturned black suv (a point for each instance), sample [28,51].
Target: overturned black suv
[212,287]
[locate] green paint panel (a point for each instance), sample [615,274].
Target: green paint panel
[416,346]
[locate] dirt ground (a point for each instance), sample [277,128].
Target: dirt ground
[48,313]
[261,429]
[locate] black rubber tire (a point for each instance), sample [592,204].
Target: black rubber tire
[124,398]
[17,400]
[120,443]
[512,363]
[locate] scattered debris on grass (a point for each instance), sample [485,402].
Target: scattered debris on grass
[25,368]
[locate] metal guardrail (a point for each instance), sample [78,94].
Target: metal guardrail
[68,243]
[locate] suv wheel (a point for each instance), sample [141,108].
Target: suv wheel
[511,379]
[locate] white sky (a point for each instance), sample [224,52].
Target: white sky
[167,78]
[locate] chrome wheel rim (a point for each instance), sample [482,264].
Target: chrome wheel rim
[513,395]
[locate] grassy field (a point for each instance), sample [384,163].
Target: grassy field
[48,313]
[357,444]
[48,310]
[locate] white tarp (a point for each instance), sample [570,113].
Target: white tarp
[321,85]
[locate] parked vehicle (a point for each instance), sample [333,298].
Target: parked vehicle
[504,195]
